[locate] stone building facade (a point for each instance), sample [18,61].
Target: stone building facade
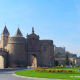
[60,50]
[22,52]
[61,61]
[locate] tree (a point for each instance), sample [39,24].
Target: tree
[79,61]
[57,63]
[71,63]
[57,53]
[74,62]
[66,60]
[75,55]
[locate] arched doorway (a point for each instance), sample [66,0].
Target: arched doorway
[1,61]
[33,60]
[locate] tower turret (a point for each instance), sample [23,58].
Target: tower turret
[18,33]
[4,37]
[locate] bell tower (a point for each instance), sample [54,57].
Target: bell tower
[4,37]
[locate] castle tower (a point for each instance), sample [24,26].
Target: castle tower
[18,33]
[17,54]
[4,37]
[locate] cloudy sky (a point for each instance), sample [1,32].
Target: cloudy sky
[58,20]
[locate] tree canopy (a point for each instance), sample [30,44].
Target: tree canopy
[66,59]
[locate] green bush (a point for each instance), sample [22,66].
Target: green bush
[47,70]
[44,67]
[70,70]
[53,70]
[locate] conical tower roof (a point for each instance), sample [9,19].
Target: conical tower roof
[18,33]
[5,30]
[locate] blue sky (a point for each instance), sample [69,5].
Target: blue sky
[58,20]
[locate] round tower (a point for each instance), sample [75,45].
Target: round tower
[17,54]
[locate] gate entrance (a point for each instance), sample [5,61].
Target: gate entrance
[33,60]
[1,62]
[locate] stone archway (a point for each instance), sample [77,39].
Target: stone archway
[33,60]
[1,61]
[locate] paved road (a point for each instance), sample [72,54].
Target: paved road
[8,74]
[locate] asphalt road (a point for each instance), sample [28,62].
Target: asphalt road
[8,74]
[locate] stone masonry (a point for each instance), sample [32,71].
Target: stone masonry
[29,51]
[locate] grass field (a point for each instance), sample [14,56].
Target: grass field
[32,73]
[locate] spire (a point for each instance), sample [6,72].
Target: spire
[32,30]
[5,30]
[18,33]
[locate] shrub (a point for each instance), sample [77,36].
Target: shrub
[65,71]
[70,70]
[57,67]
[64,66]
[60,70]
[48,70]
[61,66]
[43,69]
[53,70]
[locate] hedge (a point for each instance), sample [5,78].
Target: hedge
[51,70]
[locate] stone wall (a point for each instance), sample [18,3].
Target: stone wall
[62,61]
[71,61]
[17,55]
[47,51]
[46,42]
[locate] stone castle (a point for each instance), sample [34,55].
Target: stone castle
[18,51]
[60,50]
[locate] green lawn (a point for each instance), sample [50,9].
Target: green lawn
[32,73]
[75,69]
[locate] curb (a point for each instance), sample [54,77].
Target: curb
[36,78]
